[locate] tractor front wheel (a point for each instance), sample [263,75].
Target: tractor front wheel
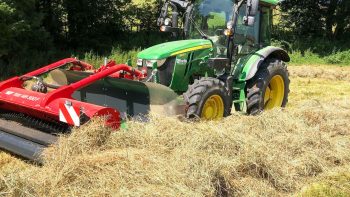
[207,99]
[269,88]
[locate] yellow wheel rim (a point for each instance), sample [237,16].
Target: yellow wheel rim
[274,93]
[213,108]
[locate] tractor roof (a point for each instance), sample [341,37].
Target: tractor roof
[273,2]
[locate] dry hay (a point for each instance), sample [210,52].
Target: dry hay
[324,72]
[274,154]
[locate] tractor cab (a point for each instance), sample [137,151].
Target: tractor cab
[210,19]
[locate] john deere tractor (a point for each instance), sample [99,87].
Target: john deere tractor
[222,58]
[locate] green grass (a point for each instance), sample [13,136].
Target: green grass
[333,186]
[116,55]
[310,58]
[342,57]
[307,58]
[316,51]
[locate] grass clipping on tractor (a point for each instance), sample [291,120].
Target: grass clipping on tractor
[275,154]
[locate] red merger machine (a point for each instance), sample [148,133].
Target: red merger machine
[38,106]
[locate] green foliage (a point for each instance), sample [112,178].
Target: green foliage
[143,15]
[302,17]
[20,27]
[315,31]
[94,24]
[316,51]
[320,18]
[118,55]
[21,34]
[342,57]
[310,58]
[5,13]
[36,32]
[305,58]
[54,19]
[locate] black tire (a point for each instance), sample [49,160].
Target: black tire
[201,90]
[256,87]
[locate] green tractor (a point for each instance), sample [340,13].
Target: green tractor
[222,58]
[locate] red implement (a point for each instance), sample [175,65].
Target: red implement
[46,106]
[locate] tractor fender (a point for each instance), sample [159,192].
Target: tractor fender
[254,61]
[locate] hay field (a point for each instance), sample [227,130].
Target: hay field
[303,150]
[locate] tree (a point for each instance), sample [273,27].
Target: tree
[53,18]
[146,15]
[21,31]
[317,18]
[94,24]
[342,17]
[303,18]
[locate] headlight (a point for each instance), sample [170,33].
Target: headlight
[139,62]
[167,22]
[149,63]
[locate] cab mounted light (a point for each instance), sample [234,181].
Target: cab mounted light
[229,30]
[165,28]
[167,22]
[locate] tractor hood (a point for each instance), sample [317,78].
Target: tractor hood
[273,2]
[169,49]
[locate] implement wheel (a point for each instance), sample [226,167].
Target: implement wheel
[269,88]
[207,99]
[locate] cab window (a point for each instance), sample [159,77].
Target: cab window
[212,16]
[247,36]
[266,26]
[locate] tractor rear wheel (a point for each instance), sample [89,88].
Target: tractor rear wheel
[269,88]
[207,99]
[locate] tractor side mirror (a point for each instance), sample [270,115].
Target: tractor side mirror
[251,12]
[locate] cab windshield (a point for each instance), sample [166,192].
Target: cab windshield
[211,16]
